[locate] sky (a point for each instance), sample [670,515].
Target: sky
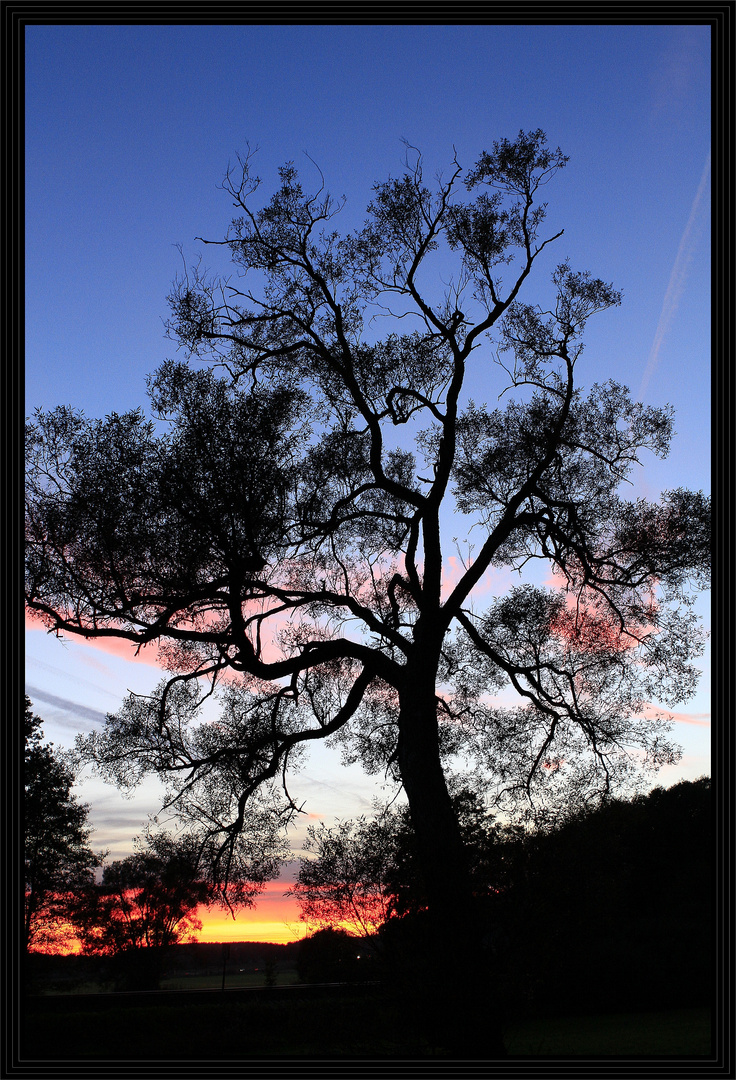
[129,132]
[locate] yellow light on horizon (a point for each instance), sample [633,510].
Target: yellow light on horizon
[274,918]
[216,929]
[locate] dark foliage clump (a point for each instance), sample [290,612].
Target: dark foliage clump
[333,955]
[612,909]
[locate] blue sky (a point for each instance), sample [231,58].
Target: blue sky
[129,131]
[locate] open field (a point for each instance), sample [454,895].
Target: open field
[295,1023]
[236,981]
[233,981]
[675,1032]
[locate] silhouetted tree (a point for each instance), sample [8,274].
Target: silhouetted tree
[58,859]
[273,526]
[344,884]
[148,899]
[330,955]
[606,907]
[357,874]
[144,904]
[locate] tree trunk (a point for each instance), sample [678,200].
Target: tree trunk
[452,981]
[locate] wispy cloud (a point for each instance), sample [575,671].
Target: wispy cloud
[679,73]
[678,277]
[353,793]
[71,711]
[699,719]
[61,673]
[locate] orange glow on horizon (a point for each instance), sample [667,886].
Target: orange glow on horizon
[58,941]
[274,918]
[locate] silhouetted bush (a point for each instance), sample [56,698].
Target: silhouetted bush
[332,955]
[612,910]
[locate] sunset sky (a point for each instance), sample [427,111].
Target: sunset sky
[129,131]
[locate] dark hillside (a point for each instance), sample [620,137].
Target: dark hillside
[613,909]
[75,974]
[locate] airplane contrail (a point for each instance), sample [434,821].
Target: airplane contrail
[67,706]
[677,280]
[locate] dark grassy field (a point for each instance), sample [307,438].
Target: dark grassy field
[672,1033]
[349,1023]
[233,981]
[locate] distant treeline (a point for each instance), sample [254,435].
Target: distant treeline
[610,910]
[205,958]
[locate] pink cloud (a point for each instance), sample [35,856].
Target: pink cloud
[452,571]
[555,579]
[699,719]
[147,654]
[493,580]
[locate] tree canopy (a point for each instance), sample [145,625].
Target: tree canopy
[143,905]
[148,900]
[58,859]
[358,874]
[279,526]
